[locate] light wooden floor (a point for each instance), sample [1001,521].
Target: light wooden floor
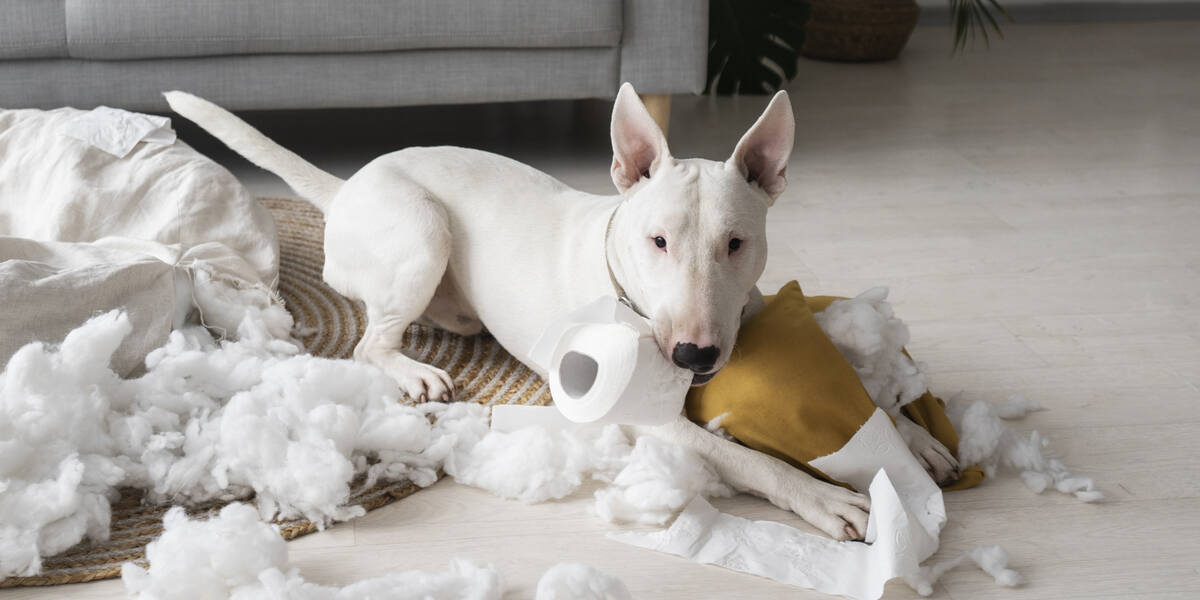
[1035,210]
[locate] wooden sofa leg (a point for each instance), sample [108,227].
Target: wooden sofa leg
[659,106]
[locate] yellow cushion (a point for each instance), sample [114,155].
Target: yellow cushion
[791,394]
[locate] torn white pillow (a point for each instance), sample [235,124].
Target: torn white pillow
[163,201]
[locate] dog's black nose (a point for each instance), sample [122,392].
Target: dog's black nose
[691,356]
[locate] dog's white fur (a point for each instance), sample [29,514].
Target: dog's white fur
[464,239]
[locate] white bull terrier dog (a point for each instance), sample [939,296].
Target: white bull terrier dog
[463,240]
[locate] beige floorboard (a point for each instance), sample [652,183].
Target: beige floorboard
[1034,211]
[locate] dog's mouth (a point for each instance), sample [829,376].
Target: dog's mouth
[699,379]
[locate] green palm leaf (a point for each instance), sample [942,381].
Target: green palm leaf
[969,17]
[754,45]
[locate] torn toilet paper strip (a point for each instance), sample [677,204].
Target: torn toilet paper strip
[876,446]
[907,515]
[507,418]
[117,131]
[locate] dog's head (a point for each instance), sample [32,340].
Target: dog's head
[689,242]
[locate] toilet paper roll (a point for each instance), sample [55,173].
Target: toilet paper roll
[604,366]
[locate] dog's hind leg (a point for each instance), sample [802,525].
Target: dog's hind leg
[390,250]
[379,346]
[450,312]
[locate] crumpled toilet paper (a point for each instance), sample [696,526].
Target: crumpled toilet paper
[605,367]
[907,515]
[117,131]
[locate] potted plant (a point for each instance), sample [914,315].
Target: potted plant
[754,44]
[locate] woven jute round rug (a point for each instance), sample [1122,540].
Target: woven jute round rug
[329,325]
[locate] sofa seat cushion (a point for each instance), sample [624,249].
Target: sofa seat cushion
[32,29]
[135,29]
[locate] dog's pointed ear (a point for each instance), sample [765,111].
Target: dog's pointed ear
[639,146]
[762,154]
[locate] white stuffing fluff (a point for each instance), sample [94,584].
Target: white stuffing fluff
[985,440]
[536,464]
[236,556]
[1016,407]
[714,426]
[657,481]
[992,559]
[223,302]
[56,465]
[872,339]
[225,420]
[650,480]
[577,581]
[206,421]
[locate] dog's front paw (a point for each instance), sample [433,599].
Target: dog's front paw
[937,460]
[422,382]
[835,510]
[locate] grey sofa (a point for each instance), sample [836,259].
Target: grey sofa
[274,54]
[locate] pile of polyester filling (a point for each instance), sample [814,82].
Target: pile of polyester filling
[223,420]
[207,421]
[255,417]
[234,555]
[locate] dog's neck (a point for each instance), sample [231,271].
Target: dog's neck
[623,284]
[609,252]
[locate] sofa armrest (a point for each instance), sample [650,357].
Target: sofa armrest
[664,45]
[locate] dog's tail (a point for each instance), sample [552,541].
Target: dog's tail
[312,183]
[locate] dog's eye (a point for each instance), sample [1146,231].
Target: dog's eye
[734,244]
[660,241]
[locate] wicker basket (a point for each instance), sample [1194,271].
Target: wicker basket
[859,30]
